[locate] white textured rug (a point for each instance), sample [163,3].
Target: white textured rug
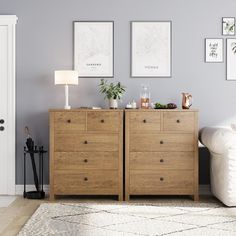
[90,219]
[6,201]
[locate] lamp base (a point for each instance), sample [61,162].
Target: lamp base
[67,107]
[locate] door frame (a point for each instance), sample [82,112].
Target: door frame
[10,21]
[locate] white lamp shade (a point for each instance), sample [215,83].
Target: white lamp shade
[66,77]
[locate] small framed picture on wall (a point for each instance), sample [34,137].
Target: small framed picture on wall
[228,26]
[213,50]
[231,59]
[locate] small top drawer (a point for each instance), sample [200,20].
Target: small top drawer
[69,122]
[103,121]
[145,121]
[179,121]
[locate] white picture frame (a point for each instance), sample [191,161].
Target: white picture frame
[228,26]
[231,59]
[151,49]
[94,48]
[214,50]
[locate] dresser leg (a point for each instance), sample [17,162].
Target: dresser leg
[127,197]
[120,197]
[196,197]
[52,197]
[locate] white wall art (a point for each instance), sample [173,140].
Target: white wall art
[151,49]
[94,48]
[231,59]
[228,26]
[213,50]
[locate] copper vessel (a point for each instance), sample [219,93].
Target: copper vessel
[186,100]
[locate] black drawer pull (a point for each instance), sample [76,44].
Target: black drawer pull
[2,121]
[161,179]
[161,160]
[85,179]
[102,121]
[68,121]
[144,121]
[85,160]
[161,142]
[2,128]
[85,142]
[178,121]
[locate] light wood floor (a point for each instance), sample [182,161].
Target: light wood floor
[13,217]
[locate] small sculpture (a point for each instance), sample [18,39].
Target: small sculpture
[186,100]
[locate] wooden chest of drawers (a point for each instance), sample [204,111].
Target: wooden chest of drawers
[161,152]
[86,152]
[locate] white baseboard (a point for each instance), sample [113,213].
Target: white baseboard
[20,188]
[203,189]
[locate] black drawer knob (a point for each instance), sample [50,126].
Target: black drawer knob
[85,142]
[161,179]
[144,121]
[68,121]
[1,128]
[161,142]
[102,121]
[161,160]
[85,160]
[178,121]
[85,179]
[2,121]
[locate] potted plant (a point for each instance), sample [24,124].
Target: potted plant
[113,92]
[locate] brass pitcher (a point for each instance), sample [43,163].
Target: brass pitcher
[186,100]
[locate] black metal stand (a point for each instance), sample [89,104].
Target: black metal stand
[39,193]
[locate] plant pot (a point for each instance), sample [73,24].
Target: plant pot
[113,103]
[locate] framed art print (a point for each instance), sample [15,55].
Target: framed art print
[231,59]
[151,49]
[228,26]
[94,48]
[213,50]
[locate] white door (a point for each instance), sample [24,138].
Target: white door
[7,104]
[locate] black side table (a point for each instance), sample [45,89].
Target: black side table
[39,193]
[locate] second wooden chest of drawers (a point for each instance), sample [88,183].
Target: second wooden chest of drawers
[161,152]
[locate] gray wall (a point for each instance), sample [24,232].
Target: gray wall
[45,43]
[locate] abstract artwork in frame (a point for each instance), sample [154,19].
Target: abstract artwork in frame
[213,50]
[231,59]
[228,26]
[94,48]
[151,49]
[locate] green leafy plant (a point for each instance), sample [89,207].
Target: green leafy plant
[112,90]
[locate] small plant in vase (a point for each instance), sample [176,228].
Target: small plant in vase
[113,92]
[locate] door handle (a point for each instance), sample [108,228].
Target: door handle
[2,121]
[1,128]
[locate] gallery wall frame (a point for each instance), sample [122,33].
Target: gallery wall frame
[214,50]
[228,26]
[231,59]
[94,49]
[151,68]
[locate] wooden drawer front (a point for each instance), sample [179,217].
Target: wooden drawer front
[69,122]
[161,160]
[179,121]
[103,121]
[161,142]
[82,182]
[152,182]
[86,142]
[85,160]
[145,121]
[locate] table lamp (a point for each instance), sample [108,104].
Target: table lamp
[66,77]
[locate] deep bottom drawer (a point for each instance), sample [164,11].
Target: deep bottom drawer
[93,182]
[144,182]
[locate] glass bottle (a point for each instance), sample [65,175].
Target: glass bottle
[145,97]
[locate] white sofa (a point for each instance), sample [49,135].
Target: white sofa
[221,142]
